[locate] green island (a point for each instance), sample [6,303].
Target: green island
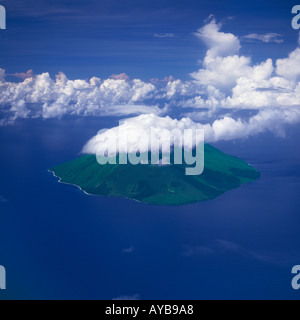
[158,185]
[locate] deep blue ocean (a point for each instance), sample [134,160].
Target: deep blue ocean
[58,243]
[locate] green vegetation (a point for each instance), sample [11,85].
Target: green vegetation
[161,185]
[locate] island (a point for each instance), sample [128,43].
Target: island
[158,184]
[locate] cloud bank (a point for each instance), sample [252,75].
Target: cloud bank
[226,84]
[41,96]
[225,129]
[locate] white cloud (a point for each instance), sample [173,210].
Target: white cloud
[233,82]
[289,68]
[267,38]
[222,72]
[226,128]
[141,90]
[221,69]
[134,129]
[271,119]
[219,44]
[41,96]
[176,89]
[225,83]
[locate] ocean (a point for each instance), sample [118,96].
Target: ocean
[58,243]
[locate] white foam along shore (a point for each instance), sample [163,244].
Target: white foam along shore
[71,184]
[89,194]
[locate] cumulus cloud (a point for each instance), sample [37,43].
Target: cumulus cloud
[128,136]
[289,68]
[268,37]
[222,72]
[219,44]
[176,89]
[222,65]
[232,81]
[226,82]
[271,119]
[42,96]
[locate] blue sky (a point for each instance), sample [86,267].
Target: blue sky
[92,37]
[234,67]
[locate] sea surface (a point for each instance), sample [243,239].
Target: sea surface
[58,243]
